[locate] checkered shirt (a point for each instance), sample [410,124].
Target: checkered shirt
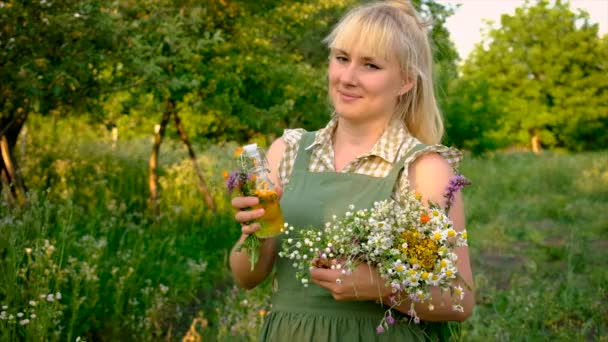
[394,143]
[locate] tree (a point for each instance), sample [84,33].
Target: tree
[471,116]
[52,55]
[549,66]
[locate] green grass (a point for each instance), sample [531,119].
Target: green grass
[538,231]
[538,234]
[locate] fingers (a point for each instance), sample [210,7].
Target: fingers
[241,203]
[324,274]
[250,228]
[244,216]
[340,289]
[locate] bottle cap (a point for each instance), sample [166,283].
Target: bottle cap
[251,149]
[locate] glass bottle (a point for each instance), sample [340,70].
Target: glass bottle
[271,224]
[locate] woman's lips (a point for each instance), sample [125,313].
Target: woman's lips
[348,97]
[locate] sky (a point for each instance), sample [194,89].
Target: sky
[466,23]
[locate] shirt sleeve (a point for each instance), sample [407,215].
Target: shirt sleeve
[451,155]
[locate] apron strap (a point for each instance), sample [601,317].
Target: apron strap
[303,156]
[396,170]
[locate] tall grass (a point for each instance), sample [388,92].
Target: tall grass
[85,259]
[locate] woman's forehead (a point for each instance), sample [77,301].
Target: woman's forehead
[365,52]
[365,41]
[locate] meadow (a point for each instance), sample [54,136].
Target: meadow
[84,259]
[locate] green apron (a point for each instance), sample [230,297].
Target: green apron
[310,314]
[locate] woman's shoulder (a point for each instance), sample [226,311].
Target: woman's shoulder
[427,168]
[416,151]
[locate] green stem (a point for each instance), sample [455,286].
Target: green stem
[252,247]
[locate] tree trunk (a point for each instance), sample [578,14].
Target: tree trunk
[153,162]
[536,148]
[202,185]
[9,169]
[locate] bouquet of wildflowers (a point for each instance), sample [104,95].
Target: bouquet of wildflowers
[412,247]
[252,179]
[244,183]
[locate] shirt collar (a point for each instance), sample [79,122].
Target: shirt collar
[387,147]
[325,134]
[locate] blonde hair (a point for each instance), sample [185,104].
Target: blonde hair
[394,27]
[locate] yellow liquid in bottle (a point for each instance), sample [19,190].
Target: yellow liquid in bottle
[271,224]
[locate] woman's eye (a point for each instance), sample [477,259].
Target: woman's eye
[341,59]
[372,66]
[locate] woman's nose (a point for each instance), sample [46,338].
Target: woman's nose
[348,76]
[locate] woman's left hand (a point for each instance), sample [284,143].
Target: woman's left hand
[364,283]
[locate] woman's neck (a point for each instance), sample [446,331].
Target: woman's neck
[351,139]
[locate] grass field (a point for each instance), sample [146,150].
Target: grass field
[85,259]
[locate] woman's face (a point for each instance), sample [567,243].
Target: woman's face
[364,87]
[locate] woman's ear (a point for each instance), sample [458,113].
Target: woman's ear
[406,86]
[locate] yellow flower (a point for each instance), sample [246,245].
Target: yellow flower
[451,233]
[421,250]
[400,268]
[262,312]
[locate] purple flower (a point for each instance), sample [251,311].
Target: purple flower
[456,183]
[380,329]
[233,181]
[390,320]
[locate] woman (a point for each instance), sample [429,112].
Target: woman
[380,143]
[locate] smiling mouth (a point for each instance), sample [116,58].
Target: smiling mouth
[347,96]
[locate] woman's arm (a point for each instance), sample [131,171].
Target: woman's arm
[430,175]
[239,261]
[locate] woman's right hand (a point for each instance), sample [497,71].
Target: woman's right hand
[245,215]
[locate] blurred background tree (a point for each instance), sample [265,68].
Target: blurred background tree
[52,55]
[546,69]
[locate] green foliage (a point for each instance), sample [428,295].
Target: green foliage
[471,119]
[52,54]
[546,67]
